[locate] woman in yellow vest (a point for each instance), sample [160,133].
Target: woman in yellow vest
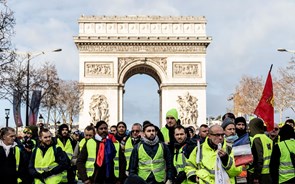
[281,168]
[48,161]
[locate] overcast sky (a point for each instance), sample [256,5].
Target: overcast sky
[246,35]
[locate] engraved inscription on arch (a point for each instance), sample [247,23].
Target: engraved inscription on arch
[187,69]
[101,69]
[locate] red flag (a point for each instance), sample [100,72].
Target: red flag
[265,109]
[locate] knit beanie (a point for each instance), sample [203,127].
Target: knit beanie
[61,127]
[172,113]
[226,122]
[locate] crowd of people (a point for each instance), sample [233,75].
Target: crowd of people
[173,154]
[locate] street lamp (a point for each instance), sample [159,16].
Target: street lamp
[285,50]
[7,116]
[30,56]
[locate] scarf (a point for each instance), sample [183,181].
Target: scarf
[7,147]
[151,142]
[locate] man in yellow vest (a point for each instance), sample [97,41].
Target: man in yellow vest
[202,161]
[132,140]
[12,169]
[48,160]
[168,129]
[95,163]
[67,144]
[151,159]
[261,147]
[281,166]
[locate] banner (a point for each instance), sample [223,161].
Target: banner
[265,109]
[16,103]
[34,107]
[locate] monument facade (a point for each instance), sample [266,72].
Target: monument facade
[170,49]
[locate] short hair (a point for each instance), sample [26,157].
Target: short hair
[123,123]
[204,125]
[114,126]
[137,124]
[228,115]
[89,128]
[4,131]
[43,130]
[99,123]
[180,127]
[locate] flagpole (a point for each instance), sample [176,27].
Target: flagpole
[270,68]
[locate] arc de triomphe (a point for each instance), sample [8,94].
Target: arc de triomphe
[170,49]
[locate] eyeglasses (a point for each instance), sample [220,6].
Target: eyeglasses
[218,135]
[276,129]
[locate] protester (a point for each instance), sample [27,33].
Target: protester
[281,165]
[202,162]
[68,145]
[241,126]
[290,122]
[95,163]
[261,147]
[113,129]
[48,160]
[151,159]
[12,169]
[229,128]
[132,140]
[274,134]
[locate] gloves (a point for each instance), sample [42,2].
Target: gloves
[168,182]
[46,174]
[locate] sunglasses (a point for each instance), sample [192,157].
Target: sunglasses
[217,135]
[276,129]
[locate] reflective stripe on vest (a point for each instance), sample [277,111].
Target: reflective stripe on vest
[179,161]
[68,148]
[267,145]
[165,133]
[81,144]
[116,159]
[91,150]
[128,151]
[286,168]
[46,163]
[147,165]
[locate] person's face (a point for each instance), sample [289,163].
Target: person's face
[45,138]
[113,130]
[88,134]
[135,131]
[121,129]
[102,130]
[171,122]
[217,135]
[9,137]
[179,135]
[76,137]
[150,133]
[203,132]
[275,131]
[230,130]
[240,126]
[64,132]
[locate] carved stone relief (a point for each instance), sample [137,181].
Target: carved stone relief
[99,109]
[98,69]
[187,69]
[188,113]
[161,62]
[144,48]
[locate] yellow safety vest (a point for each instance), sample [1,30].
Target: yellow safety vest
[267,145]
[69,151]
[81,144]
[165,133]
[180,162]
[46,163]
[286,168]
[116,159]
[128,151]
[91,150]
[17,159]
[147,165]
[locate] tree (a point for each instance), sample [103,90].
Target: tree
[247,95]
[7,23]
[68,100]
[284,89]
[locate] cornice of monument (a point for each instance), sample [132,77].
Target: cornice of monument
[142,18]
